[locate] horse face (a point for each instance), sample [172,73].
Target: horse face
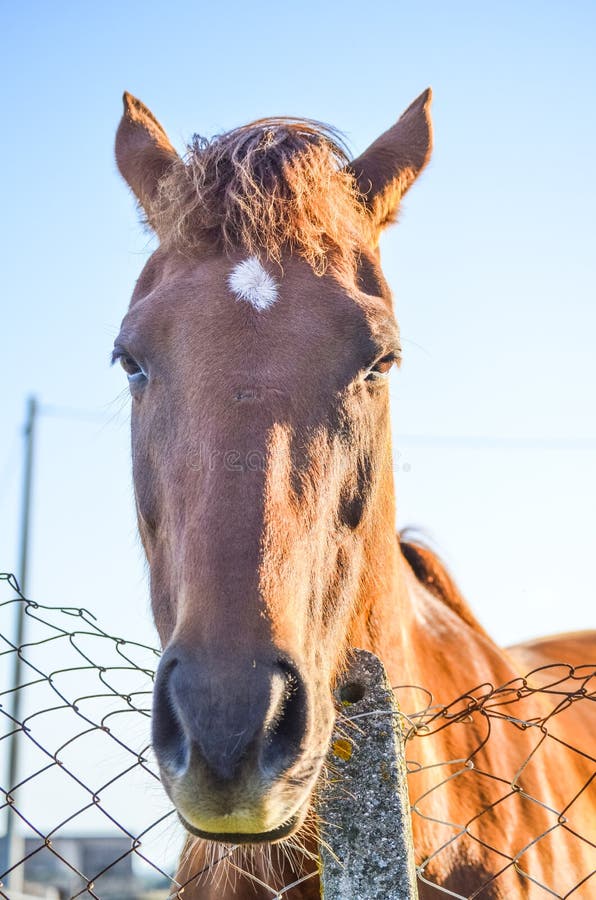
[261,462]
[259,438]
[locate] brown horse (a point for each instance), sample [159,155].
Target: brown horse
[257,345]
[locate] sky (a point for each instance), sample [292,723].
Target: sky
[492,266]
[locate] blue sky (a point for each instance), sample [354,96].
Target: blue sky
[492,266]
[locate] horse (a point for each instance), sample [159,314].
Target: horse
[257,345]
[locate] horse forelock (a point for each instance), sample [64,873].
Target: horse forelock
[273,186]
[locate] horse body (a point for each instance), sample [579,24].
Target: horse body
[436,648]
[257,346]
[496,799]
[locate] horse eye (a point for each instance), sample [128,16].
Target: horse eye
[133,370]
[381,368]
[129,365]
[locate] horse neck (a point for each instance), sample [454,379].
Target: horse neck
[421,638]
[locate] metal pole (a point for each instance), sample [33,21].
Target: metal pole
[15,711]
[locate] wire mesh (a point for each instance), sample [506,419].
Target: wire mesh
[520,721]
[92,820]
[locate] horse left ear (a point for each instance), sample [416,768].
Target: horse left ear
[390,166]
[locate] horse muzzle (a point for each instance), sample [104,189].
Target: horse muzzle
[233,744]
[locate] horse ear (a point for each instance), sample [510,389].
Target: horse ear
[143,152]
[390,166]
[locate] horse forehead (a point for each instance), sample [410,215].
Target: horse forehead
[219,284]
[219,300]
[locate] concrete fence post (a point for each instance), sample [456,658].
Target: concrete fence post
[367,851]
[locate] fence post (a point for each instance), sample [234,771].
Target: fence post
[367,850]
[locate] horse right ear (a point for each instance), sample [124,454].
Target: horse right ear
[143,152]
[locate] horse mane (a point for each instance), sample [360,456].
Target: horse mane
[433,574]
[271,185]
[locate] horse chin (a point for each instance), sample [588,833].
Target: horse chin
[244,818]
[283,831]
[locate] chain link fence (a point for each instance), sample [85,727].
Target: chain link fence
[89,817]
[523,715]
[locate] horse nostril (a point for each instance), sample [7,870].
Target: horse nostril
[169,739]
[286,731]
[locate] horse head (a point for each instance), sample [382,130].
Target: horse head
[257,347]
